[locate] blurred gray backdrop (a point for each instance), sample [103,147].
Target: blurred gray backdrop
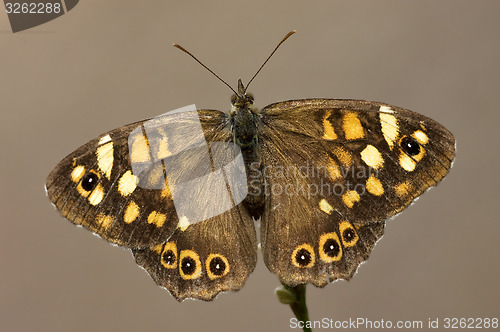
[109,63]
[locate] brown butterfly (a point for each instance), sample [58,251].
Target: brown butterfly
[321,175]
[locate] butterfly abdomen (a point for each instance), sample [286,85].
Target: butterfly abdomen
[254,202]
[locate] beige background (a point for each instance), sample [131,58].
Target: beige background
[109,63]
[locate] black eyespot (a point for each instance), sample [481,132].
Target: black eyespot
[169,257]
[90,181]
[348,235]
[188,266]
[217,266]
[410,146]
[331,248]
[303,257]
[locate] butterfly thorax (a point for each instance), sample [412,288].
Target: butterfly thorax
[243,120]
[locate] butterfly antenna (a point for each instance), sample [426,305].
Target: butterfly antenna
[269,57]
[201,63]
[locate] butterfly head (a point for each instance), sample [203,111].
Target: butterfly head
[241,100]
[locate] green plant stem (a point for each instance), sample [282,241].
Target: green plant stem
[295,297]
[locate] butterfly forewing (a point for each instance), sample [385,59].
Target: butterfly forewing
[334,170]
[96,186]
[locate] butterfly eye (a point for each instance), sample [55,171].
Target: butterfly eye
[410,146]
[249,97]
[234,98]
[90,181]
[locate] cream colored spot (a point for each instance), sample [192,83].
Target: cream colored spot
[104,155]
[140,150]
[390,128]
[406,162]
[131,212]
[103,221]
[81,191]
[157,218]
[163,150]
[385,109]
[325,206]
[183,223]
[343,156]
[157,248]
[352,126]
[421,137]
[350,198]
[154,177]
[329,133]
[104,139]
[127,183]
[77,173]
[372,157]
[403,188]
[96,195]
[165,193]
[333,169]
[374,186]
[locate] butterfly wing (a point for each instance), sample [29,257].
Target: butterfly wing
[121,186]
[207,258]
[98,185]
[334,170]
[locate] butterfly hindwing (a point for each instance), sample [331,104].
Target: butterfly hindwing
[336,165]
[215,255]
